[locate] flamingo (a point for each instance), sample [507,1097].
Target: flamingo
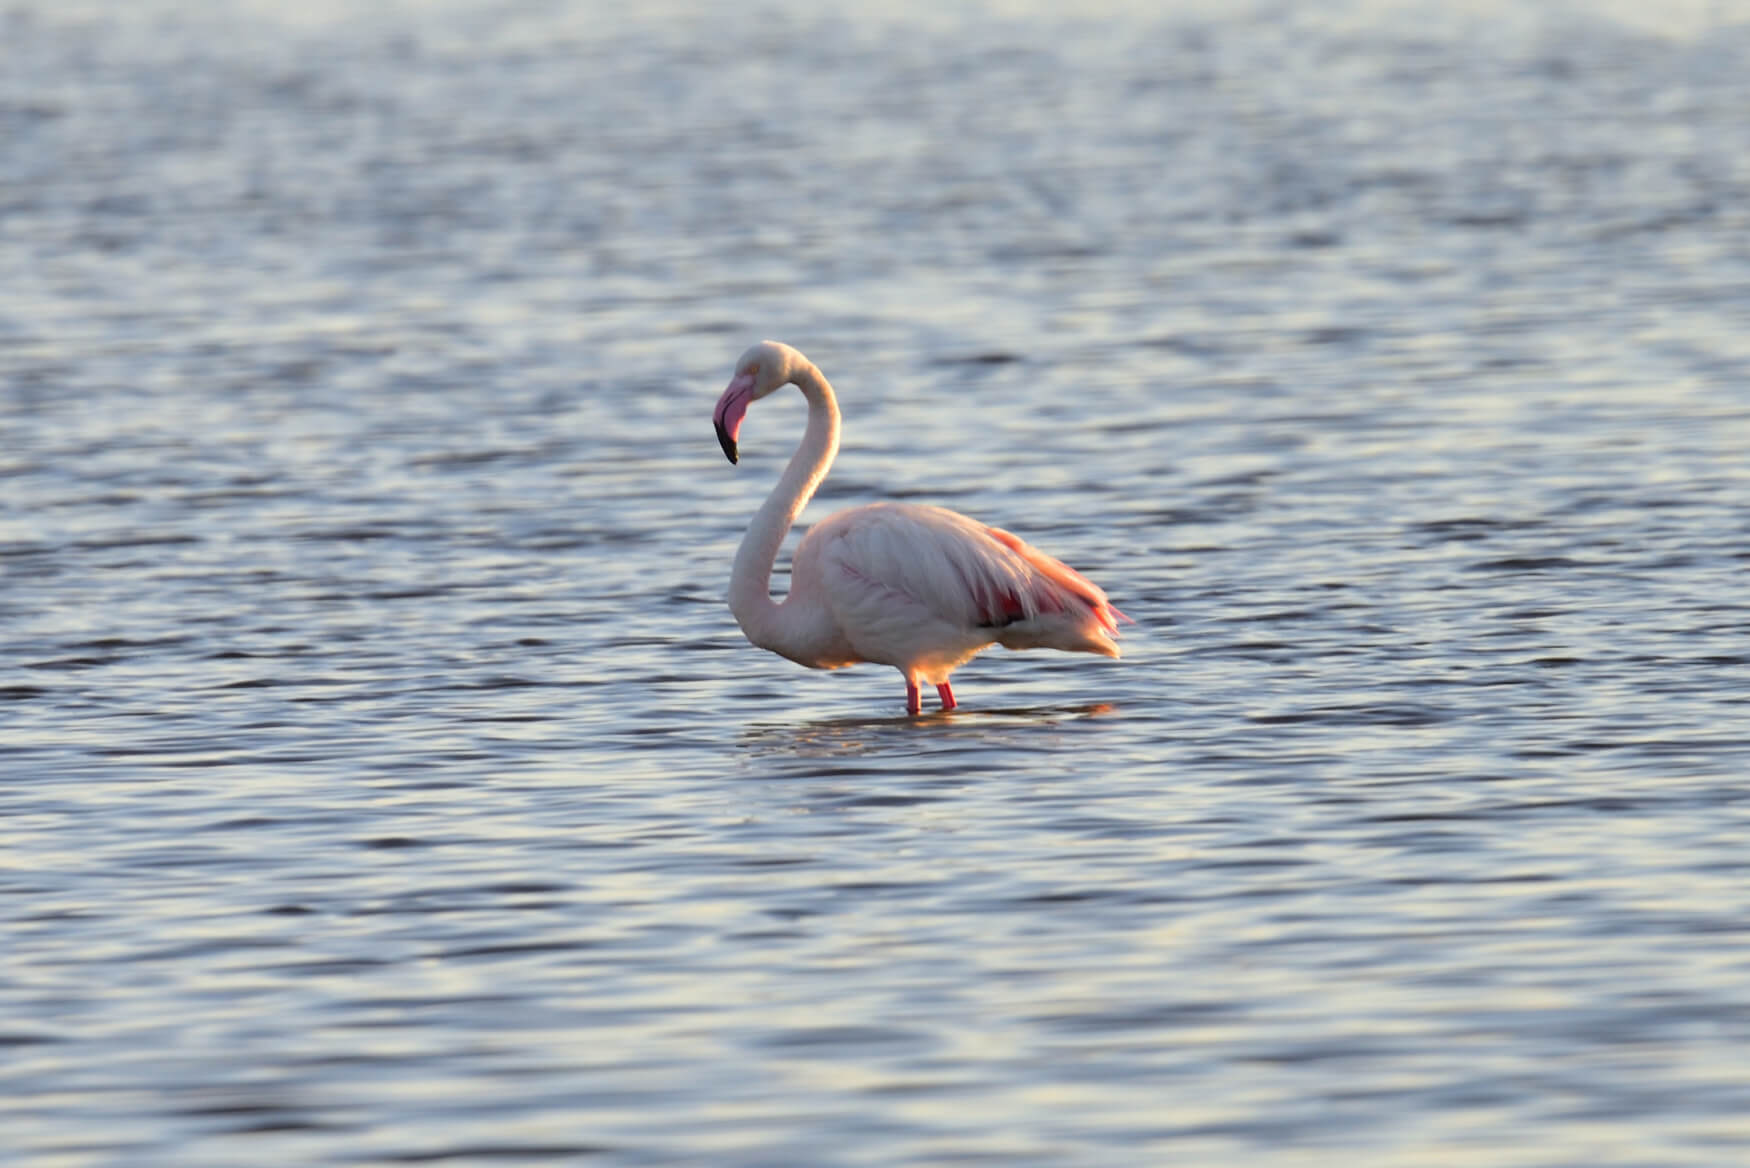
[920,588]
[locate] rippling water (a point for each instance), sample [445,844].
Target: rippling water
[385,781]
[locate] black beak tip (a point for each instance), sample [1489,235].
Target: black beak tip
[728,444]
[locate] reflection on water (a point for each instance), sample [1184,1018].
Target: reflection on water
[862,730]
[386,781]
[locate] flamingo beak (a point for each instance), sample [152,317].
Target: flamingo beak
[731,408]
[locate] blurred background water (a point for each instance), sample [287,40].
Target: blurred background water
[383,780]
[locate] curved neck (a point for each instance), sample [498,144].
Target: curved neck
[750,596]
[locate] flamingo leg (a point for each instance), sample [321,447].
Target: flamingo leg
[913,704]
[946,693]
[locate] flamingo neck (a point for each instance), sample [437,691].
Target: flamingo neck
[750,584]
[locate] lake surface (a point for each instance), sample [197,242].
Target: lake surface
[383,779]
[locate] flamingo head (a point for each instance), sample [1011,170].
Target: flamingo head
[761,370]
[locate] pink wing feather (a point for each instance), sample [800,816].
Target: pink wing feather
[905,562]
[1064,578]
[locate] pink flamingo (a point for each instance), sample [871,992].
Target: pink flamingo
[920,588]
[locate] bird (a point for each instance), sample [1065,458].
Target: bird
[921,588]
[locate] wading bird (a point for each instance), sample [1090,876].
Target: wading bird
[919,588]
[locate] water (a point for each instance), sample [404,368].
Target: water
[385,781]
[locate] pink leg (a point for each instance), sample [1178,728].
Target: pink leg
[946,693]
[913,704]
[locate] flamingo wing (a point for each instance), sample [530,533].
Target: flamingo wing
[901,571]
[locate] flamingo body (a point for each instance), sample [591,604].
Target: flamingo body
[920,588]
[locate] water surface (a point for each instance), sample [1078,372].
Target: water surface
[384,780]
